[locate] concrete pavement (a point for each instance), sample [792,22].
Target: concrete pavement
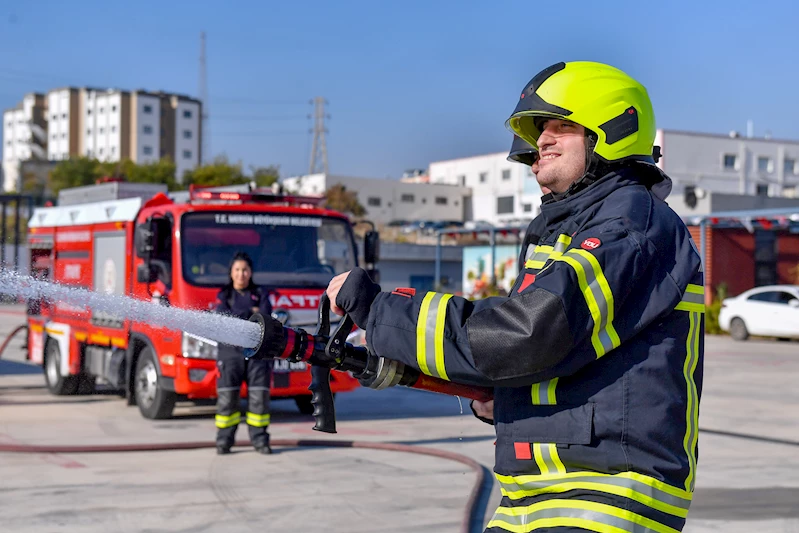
[743,484]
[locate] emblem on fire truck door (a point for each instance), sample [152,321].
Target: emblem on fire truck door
[110,276]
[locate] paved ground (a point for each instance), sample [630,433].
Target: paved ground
[743,484]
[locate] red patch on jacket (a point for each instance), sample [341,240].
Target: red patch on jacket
[526,282]
[404,291]
[523,451]
[591,244]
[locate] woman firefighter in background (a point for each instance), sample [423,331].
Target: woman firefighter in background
[241,298]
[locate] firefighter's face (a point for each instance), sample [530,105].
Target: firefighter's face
[561,161]
[240,273]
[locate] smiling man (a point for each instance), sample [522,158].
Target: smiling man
[596,356]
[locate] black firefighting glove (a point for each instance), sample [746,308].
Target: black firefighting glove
[356,296]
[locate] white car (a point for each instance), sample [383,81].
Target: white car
[770,311]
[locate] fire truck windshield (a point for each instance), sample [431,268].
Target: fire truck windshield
[286,249]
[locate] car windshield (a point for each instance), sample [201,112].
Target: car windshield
[288,250]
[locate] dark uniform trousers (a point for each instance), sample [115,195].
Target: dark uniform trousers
[233,370]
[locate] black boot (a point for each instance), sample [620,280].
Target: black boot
[222,450]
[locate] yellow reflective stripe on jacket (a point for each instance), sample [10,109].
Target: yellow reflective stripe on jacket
[544,253]
[692,410]
[588,515]
[598,297]
[430,334]
[546,454]
[544,393]
[638,487]
[226,421]
[258,420]
[693,299]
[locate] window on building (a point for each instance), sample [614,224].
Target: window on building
[88,111]
[407,198]
[441,200]
[113,109]
[462,180]
[762,189]
[54,117]
[63,115]
[147,109]
[101,131]
[186,113]
[187,134]
[88,152]
[730,161]
[483,177]
[113,150]
[64,135]
[101,110]
[88,131]
[147,150]
[186,154]
[113,129]
[504,205]
[506,174]
[373,201]
[147,130]
[527,208]
[100,151]
[764,164]
[789,166]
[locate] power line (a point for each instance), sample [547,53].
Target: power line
[258,133]
[258,117]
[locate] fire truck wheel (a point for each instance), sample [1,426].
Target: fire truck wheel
[56,383]
[154,402]
[304,404]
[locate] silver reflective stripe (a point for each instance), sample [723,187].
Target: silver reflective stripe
[540,392]
[562,244]
[599,296]
[430,334]
[529,252]
[524,522]
[515,490]
[692,297]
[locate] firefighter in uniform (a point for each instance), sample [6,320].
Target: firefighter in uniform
[241,298]
[596,356]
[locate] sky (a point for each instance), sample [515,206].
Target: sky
[406,82]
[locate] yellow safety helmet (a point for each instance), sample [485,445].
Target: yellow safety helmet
[610,104]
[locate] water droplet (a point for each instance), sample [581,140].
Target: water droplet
[227,330]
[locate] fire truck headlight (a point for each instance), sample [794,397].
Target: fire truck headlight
[196,347]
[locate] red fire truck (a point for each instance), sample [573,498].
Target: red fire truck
[176,251]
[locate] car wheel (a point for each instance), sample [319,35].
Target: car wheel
[57,384]
[738,330]
[154,402]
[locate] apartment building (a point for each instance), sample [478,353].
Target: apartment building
[24,137]
[106,124]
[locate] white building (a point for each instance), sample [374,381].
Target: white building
[24,137]
[730,163]
[503,192]
[106,124]
[389,200]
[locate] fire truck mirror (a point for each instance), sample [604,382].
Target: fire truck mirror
[371,247]
[144,238]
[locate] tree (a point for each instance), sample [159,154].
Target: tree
[220,172]
[74,172]
[339,198]
[265,176]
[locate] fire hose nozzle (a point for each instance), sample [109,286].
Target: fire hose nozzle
[273,338]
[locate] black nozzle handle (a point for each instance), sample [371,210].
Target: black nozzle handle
[324,410]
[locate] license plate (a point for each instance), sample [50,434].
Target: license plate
[281,365]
